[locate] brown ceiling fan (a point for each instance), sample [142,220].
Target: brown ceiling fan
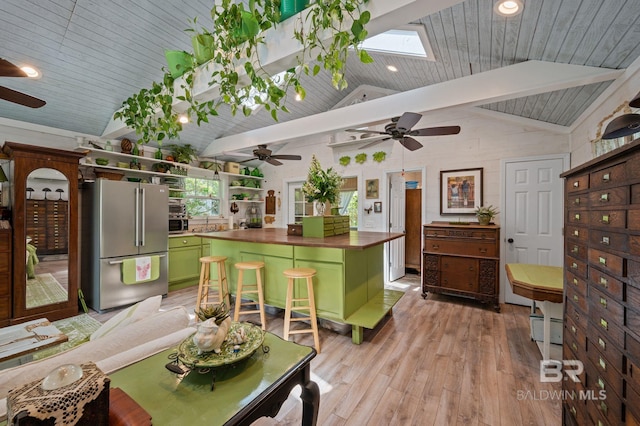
[263,153]
[400,130]
[7,69]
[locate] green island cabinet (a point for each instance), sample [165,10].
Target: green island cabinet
[184,260]
[348,286]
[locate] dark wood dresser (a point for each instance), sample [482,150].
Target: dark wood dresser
[602,288]
[462,260]
[5,276]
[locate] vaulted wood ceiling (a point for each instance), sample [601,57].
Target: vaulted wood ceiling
[95,54]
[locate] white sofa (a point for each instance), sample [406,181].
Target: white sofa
[122,346]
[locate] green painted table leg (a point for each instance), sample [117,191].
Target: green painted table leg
[357,334]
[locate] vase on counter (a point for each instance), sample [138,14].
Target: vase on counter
[320,207]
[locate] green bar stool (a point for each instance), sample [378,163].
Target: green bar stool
[250,289]
[218,284]
[294,304]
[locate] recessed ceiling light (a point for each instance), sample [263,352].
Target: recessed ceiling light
[392,68]
[30,71]
[183,118]
[298,97]
[508,7]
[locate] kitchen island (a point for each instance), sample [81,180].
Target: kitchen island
[348,286]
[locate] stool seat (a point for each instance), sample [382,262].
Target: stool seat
[250,289]
[205,284]
[296,304]
[299,272]
[249,265]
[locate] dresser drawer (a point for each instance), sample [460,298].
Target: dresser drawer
[577,183]
[577,233]
[605,326]
[459,273]
[578,201]
[633,219]
[610,176]
[599,379]
[576,336]
[608,218]
[599,346]
[473,234]
[605,305]
[607,240]
[604,412]
[633,309]
[576,266]
[577,283]
[572,312]
[461,247]
[575,297]
[606,283]
[576,249]
[608,262]
[578,217]
[609,197]
[632,375]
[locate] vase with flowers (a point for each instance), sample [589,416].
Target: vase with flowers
[321,186]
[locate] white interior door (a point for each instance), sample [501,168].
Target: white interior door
[532,216]
[396,224]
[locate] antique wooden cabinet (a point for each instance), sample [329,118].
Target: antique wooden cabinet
[602,288]
[5,277]
[462,260]
[47,225]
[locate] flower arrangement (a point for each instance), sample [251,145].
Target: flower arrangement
[322,185]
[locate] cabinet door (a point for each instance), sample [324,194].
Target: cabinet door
[274,282]
[328,285]
[459,273]
[184,264]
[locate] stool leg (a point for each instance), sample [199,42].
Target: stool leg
[202,285]
[224,285]
[287,309]
[312,313]
[236,313]
[263,320]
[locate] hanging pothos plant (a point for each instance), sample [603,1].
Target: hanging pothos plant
[234,38]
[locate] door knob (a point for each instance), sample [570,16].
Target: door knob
[510,240]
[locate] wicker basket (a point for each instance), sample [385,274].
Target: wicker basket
[109,175]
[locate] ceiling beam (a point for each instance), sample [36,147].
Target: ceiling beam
[280,49]
[514,81]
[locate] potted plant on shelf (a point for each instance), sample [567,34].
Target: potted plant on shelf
[183,153]
[321,186]
[485,214]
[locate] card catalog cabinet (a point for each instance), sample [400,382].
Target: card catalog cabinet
[602,288]
[462,260]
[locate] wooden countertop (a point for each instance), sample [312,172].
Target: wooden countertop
[537,282]
[355,240]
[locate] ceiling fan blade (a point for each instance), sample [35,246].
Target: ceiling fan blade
[273,161]
[20,98]
[287,157]
[407,121]
[7,69]
[374,142]
[410,143]
[250,159]
[365,131]
[435,131]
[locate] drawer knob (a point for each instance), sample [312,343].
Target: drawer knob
[604,324]
[184,241]
[604,241]
[577,216]
[574,265]
[575,249]
[602,260]
[602,344]
[602,363]
[435,246]
[603,302]
[604,197]
[606,177]
[577,201]
[576,184]
[483,250]
[605,219]
[603,282]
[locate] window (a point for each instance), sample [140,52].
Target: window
[202,197]
[349,200]
[299,207]
[408,40]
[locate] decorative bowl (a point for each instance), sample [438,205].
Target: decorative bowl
[102,161]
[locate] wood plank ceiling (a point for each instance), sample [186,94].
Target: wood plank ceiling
[94,54]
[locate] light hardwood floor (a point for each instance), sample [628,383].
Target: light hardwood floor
[439,361]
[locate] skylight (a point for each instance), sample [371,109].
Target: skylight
[408,40]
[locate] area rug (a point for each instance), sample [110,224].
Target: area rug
[44,289]
[78,329]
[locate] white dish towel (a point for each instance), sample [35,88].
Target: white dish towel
[143,268]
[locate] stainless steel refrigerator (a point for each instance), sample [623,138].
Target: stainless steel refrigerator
[122,222]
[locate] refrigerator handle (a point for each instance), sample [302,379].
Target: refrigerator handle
[137,233]
[142,216]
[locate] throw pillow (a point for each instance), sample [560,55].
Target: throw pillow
[129,315]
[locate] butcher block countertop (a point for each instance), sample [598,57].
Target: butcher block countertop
[354,240]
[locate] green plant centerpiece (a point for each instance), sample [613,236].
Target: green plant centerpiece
[321,186]
[227,55]
[485,214]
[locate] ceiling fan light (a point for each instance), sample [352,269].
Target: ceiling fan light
[624,125]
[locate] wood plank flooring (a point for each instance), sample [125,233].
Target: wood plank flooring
[439,361]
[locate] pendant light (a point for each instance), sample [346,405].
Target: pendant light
[216,175]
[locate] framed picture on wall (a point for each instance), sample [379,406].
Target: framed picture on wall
[372,188]
[460,191]
[377,207]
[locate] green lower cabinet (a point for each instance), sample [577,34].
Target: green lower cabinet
[328,288]
[275,283]
[184,262]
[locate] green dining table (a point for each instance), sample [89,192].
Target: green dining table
[243,392]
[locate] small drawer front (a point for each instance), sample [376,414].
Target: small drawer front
[578,217]
[578,337]
[608,262]
[604,412]
[578,284]
[577,183]
[607,326]
[611,176]
[609,240]
[601,346]
[609,197]
[573,313]
[577,233]
[633,219]
[576,266]
[608,382]
[608,218]
[459,273]
[175,242]
[635,194]
[576,250]
[461,247]
[606,283]
[632,376]
[577,201]
[633,406]
[577,298]
[601,302]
